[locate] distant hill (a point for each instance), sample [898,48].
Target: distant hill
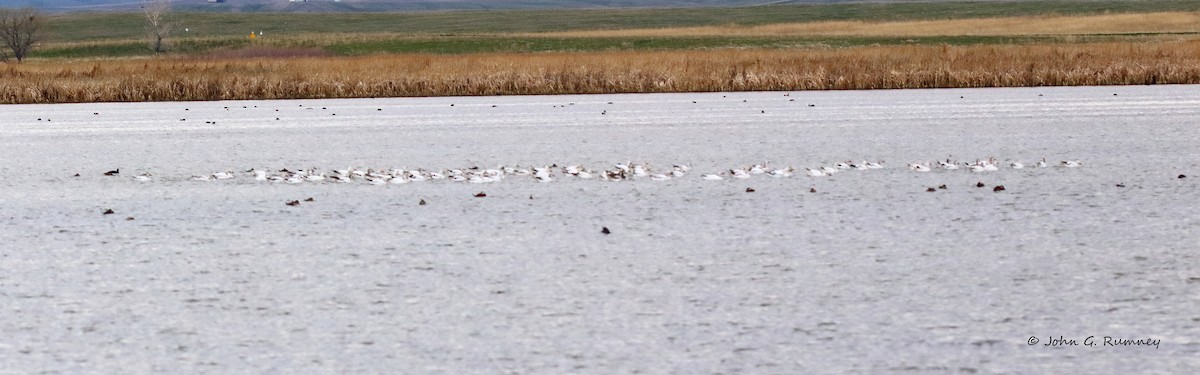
[390,5]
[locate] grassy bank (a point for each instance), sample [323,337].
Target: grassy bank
[1046,24]
[105,57]
[1002,30]
[352,46]
[107,26]
[596,44]
[869,67]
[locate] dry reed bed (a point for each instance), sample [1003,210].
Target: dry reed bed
[882,67]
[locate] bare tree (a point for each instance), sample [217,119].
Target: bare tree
[19,31]
[156,23]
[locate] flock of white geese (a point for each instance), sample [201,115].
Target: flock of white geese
[548,173]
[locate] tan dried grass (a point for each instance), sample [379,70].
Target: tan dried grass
[1163,22]
[877,67]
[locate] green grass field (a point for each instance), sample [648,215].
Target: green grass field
[117,34]
[489,44]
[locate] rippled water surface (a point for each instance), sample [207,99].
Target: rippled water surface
[869,274]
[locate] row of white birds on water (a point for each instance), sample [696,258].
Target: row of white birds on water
[622,171]
[980,165]
[985,165]
[618,172]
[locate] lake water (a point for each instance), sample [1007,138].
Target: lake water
[869,274]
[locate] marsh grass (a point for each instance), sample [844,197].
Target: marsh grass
[867,67]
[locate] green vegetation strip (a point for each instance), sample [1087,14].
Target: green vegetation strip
[136,48]
[484,44]
[451,45]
